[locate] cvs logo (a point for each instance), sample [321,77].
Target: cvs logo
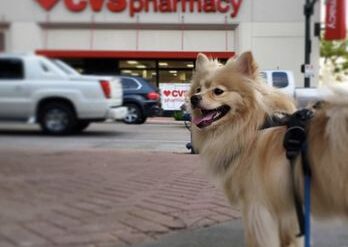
[47,4]
[80,5]
[178,93]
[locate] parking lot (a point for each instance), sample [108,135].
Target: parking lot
[158,134]
[113,185]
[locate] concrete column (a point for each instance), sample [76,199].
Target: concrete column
[25,37]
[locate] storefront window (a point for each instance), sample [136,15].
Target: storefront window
[147,74]
[158,71]
[174,76]
[154,70]
[142,68]
[175,71]
[2,41]
[137,64]
[175,64]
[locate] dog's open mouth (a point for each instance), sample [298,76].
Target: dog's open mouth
[209,116]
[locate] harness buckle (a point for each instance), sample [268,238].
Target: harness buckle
[295,135]
[293,140]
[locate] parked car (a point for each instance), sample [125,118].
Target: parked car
[281,79]
[284,80]
[34,89]
[141,98]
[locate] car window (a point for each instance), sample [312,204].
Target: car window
[44,67]
[148,83]
[128,83]
[280,79]
[11,69]
[67,69]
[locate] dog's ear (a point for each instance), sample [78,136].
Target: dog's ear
[201,61]
[246,64]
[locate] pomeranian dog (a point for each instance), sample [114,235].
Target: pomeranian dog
[229,105]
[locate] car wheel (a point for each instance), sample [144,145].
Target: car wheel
[134,115]
[57,119]
[142,120]
[82,125]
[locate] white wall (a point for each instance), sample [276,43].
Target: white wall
[279,45]
[145,40]
[115,40]
[275,34]
[24,36]
[209,40]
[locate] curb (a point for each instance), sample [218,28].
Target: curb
[164,120]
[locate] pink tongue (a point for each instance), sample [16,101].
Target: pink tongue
[198,120]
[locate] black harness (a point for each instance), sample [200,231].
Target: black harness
[295,143]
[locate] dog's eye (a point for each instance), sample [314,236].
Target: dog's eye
[218,91]
[198,90]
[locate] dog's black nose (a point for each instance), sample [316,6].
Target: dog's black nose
[195,99]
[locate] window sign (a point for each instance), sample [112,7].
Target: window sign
[309,70]
[173,95]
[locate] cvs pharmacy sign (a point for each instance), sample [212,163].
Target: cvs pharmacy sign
[173,95]
[137,6]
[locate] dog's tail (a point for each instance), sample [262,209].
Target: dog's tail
[328,146]
[335,109]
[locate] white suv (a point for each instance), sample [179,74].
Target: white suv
[34,89]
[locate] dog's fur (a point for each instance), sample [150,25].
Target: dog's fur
[250,163]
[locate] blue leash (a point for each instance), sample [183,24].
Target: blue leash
[307,210]
[295,143]
[307,195]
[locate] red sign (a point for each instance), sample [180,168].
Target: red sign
[335,27]
[137,6]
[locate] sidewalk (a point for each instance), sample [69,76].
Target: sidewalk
[334,234]
[164,120]
[114,198]
[103,198]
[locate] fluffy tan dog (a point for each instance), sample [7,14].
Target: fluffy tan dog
[229,104]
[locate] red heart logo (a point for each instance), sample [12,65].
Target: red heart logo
[47,4]
[166,92]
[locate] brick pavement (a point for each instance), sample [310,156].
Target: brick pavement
[103,198]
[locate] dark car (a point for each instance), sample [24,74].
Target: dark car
[142,99]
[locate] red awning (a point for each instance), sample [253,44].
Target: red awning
[132,54]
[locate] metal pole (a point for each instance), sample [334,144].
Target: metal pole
[308,43]
[308,11]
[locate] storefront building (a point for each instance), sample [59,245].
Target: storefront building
[157,39]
